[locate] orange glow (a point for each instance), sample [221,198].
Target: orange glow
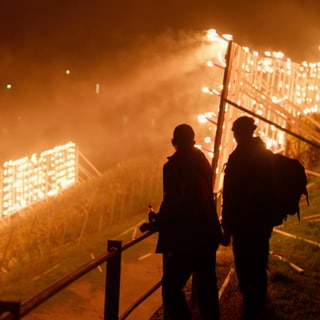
[269,85]
[28,180]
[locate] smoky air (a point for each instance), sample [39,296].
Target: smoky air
[116,79]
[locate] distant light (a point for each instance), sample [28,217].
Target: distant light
[206,90]
[227,36]
[211,91]
[206,117]
[68,71]
[30,179]
[212,35]
[9,86]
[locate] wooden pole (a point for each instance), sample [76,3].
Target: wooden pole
[221,114]
[112,295]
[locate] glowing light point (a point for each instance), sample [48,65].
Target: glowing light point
[212,35]
[227,36]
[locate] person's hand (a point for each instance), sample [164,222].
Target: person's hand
[148,226]
[226,239]
[145,227]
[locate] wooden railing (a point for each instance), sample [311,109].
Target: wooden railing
[13,310]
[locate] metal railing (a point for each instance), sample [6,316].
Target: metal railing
[12,310]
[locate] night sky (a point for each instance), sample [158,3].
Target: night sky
[77,29]
[133,49]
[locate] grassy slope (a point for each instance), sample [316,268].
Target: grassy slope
[293,295]
[296,295]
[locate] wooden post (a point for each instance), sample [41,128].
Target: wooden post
[221,114]
[112,294]
[10,307]
[164,261]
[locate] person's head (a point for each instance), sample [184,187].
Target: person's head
[243,128]
[183,137]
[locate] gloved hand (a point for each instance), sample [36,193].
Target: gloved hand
[145,227]
[148,226]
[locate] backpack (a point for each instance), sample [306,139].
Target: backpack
[290,183]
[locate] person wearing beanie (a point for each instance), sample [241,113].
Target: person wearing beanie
[246,206]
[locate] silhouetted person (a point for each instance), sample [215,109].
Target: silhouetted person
[247,205]
[189,229]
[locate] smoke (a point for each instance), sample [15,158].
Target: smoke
[144,92]
[149,72]
[283,25]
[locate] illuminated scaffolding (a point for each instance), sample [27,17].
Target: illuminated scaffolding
[281,95]
[29,180]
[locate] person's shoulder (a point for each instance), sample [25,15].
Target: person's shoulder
[172,161]
[262,148]
[198,153]
[197,156]
[258,143]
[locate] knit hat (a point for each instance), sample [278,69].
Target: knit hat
[183,135]
[244,124]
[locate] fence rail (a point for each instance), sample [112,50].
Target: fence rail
[13,310]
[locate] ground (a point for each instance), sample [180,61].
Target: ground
[84,299]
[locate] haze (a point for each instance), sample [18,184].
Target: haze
[148,57]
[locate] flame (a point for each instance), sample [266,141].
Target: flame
[31,179]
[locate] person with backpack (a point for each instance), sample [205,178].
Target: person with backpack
[189,229]
[248,202]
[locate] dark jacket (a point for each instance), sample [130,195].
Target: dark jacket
[187,220]
[247,191]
